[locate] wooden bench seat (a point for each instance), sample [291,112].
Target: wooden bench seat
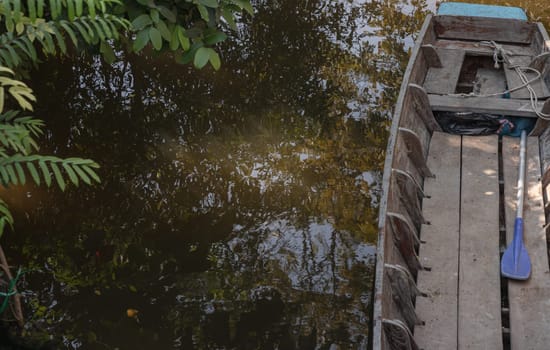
[501,106]
[514,80]
[443,80]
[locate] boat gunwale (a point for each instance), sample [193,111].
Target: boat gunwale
[540,43]
[380,251]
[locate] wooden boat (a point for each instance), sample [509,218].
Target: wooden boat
[448,202]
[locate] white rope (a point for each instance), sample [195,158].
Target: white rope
[500,55]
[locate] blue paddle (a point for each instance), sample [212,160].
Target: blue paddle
[515,263]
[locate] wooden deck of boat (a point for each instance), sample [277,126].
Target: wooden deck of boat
[461,248]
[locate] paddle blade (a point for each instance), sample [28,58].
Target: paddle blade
[515,263]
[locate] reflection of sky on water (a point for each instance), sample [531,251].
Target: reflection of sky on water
[237,209]
[284,244]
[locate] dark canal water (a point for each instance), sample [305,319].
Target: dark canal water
[237,209]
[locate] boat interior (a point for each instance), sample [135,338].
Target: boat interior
[449,203]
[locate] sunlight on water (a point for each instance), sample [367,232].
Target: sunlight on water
[237,209]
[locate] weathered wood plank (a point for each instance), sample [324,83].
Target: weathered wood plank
[529,300]
[518,108]
[422,106]
[479,28]
[541,40]
[545,156]
[383,303]
[514,80]
[489,81]
[415,150]
[440,250]
[479,322]
[474,48]
[443,80]
[431,56]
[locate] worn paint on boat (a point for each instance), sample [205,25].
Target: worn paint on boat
[453,54]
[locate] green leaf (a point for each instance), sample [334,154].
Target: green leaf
[98,30]
[142,38]
[79,7]
[169,15]
[31,4]
[45,172]
[155,15]
[31,48]
[189,55]
[71,10]
[20,173]
[70,32]
[71,173]
[17,10]
[174,43]
[6,57]
[58,176]
[164,31]
[209,3]
[83,32]
[83,176]
[23,103]
[228,16]
[201,57]
[204,12]
[90,30]
[53,9]
[5,211]
[214,38]
[5,176]
[91,8]
[11,173]
[60,40]
[156,38]
[21,44]
[92,173]
[141,21]
[215,59]
[107,52]
[40,8]
[245,4]
[105,27]
[183,39]
[15,57]
[2,96]
[19,28]
[6,217]
[33,172]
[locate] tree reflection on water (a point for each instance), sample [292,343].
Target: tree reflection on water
[238,208]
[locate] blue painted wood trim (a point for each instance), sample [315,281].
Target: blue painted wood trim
[476,10]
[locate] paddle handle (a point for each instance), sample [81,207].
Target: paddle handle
[521,177]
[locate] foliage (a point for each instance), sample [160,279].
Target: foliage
[267,145]
[33,28]
[189,28]
[18,144]
[32,24]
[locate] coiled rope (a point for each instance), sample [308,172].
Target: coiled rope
[500,56]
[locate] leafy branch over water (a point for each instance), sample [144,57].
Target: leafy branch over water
[34,29]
